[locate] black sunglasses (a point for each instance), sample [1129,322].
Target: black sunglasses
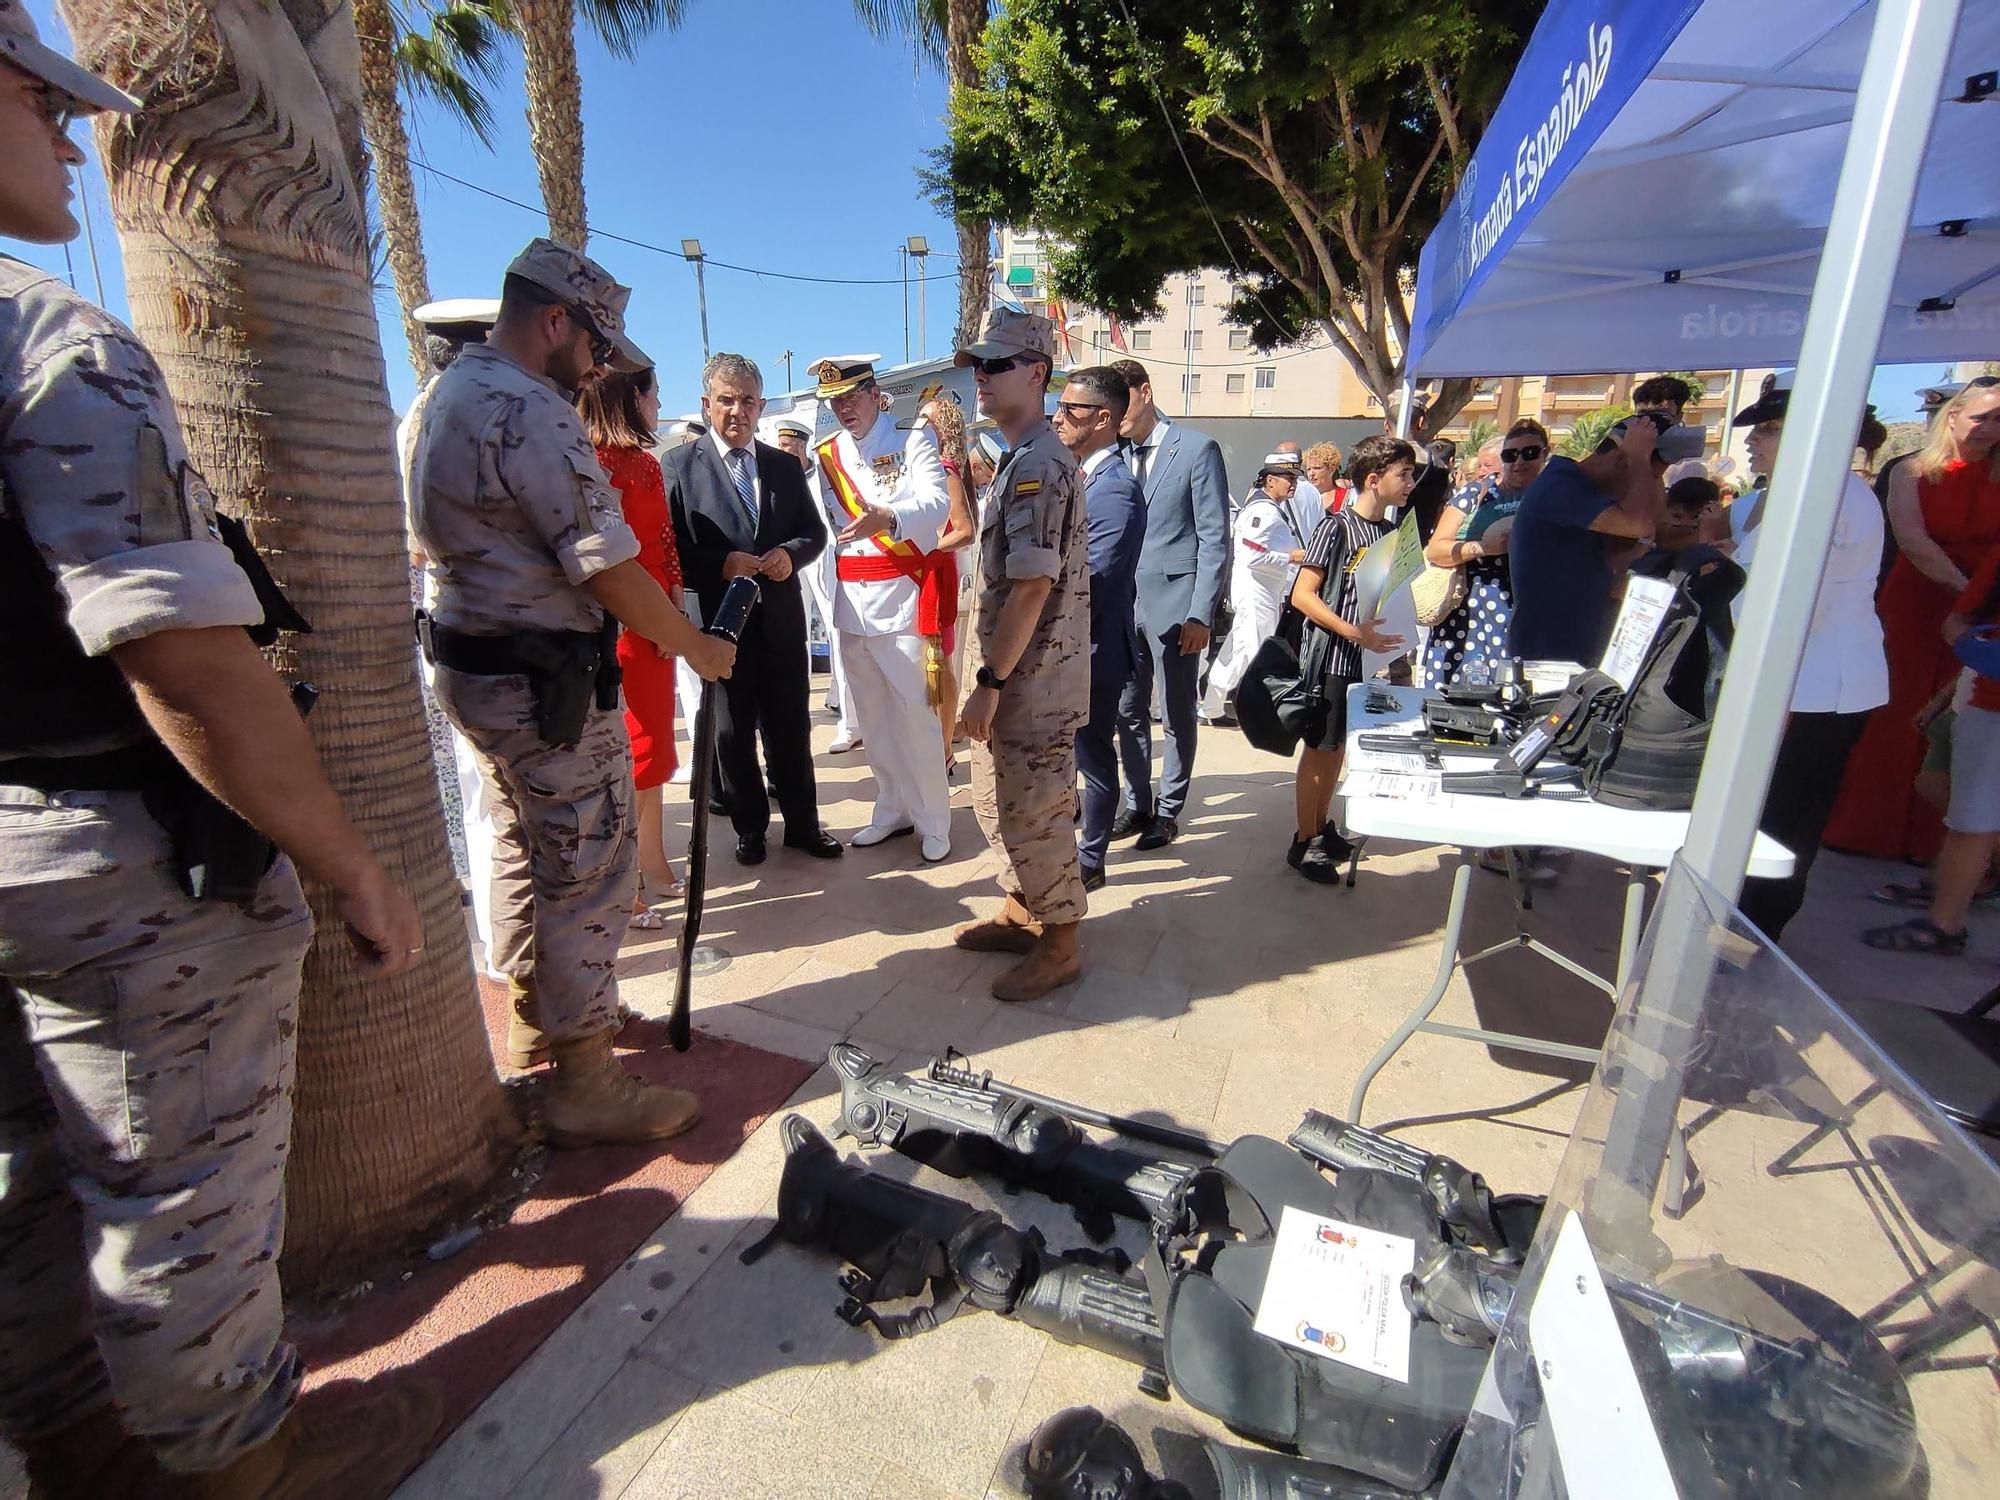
[1080,410]
[1525,455]
[996,366]
[601,348]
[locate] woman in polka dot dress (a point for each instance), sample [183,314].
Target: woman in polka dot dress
[1477,630]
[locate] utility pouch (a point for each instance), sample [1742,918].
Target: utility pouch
[562,672]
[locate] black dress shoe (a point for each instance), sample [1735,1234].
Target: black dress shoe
[717,808]
[749,848]
[1129,822]
[819,844]
[1159,833]
[1093,877]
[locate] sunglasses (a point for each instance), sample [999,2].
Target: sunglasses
[1525,455]
[996,366]
[601,348]
[1079,411]
[57,110]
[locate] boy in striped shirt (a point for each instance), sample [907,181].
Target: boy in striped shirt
[1382,471]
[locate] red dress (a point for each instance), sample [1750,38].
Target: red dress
[1878,813]
[649,676]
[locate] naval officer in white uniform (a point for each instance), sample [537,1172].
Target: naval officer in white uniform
[883,492]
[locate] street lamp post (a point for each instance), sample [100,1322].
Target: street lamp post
[691,251]
[919,249]
[903,260]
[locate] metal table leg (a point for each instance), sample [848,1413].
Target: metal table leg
[1454,922]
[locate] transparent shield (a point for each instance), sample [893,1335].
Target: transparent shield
[1796,1248]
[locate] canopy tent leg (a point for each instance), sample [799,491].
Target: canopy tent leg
[1409,397]
[1901,85]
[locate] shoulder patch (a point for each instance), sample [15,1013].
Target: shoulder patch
[1028,487]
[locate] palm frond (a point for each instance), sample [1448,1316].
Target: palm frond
[922,23]
[448,63]
[622,24]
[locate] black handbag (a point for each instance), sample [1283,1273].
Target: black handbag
[1282,697]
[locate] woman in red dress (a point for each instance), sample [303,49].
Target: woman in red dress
[1944,506]
[622,413]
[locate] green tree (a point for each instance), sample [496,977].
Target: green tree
[944,34]
[1310,146]
[1591,429]
[442,52]
[1477,436]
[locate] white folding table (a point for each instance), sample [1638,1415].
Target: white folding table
[1386,795]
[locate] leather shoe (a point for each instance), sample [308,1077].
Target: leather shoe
[878,833]
[1159,833]
[840,744]
[1093,877]
[749,848]
[1129,822]
[819,844]
[934,849]
[717,808]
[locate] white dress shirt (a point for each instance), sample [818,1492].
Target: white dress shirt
[1097,460]
[1844,669]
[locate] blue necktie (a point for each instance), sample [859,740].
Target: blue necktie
[746,486]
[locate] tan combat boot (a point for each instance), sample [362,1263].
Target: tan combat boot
[1053,963]
[527,1044]
[1014,930]
[324,1456]
[591,1101]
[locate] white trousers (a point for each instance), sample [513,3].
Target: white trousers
[837,699]
[1258,602]
[477,811]
[899,730]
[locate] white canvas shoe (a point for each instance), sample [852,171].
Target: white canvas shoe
[844,742]
[876,833]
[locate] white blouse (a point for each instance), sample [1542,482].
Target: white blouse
[1844,670]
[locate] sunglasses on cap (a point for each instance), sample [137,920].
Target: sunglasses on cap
[1523,455]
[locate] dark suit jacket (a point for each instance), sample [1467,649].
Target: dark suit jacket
[709,524]
[1117,517]
[1186,557]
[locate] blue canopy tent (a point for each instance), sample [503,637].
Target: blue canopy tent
[1712,183]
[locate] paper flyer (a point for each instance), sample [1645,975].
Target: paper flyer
[1336,1290]
[1639,617]
[1386,565]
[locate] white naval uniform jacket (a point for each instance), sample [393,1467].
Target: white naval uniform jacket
[901,471]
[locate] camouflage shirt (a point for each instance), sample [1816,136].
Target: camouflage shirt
[1034,525]
[93,465]
[508,502]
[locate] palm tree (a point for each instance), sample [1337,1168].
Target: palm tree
[944,32]
[445,64]
[547,29]
[237,194]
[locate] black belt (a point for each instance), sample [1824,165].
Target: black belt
[487,655]
[132,769]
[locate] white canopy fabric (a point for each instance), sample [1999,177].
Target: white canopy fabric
[1655,189]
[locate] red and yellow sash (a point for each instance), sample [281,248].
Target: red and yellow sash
[935,573]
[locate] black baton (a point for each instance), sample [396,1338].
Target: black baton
[730,616]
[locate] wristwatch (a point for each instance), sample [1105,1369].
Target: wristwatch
[895,526]
[986,677]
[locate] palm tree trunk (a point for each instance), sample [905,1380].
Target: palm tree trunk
[547,29]
[246,256]
[395,189]
[964,21]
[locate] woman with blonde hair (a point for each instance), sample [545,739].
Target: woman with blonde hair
[946,422]
[1944,507]
[622,414]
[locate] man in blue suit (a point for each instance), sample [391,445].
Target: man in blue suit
[1088,416]
[1180,474]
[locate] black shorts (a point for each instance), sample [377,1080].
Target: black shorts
[1331,733]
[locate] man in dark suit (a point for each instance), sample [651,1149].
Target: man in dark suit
[741,509]
[1181,566]
[1088,415]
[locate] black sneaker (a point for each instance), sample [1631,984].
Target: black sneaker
[1338,848]
[1318,866]
[1297,852]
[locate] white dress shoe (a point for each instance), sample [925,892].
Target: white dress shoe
[876,833]
[935,849]
[842,743]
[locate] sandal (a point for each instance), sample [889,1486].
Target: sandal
[645,919]
[1920,891]
[1918,935]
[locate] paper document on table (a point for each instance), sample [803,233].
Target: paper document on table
[1639,618]
[1336,1290]
[1385,565]
[1394,786]
[1386,760]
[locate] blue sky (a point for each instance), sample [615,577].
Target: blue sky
[777,132]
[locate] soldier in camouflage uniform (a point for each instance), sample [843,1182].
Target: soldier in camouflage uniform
[1031,647]
[146,1037]
[528,551]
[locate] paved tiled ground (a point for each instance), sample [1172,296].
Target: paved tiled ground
[1222,992]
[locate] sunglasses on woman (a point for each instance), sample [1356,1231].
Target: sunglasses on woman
[1523,455]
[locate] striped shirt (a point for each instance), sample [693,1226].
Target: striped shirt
[1336,543]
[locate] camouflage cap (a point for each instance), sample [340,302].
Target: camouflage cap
[21,44]
[583,284]
[1008,332]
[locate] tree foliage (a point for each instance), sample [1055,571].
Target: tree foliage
[451,59]
[1591,429]
[1309,145]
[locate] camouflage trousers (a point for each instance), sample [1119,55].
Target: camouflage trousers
[565,851]
[1024,795]
[145,1115]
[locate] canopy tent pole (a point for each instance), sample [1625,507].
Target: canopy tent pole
[1901,85]
[1403,408]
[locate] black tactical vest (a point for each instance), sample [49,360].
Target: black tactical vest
[52,694]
